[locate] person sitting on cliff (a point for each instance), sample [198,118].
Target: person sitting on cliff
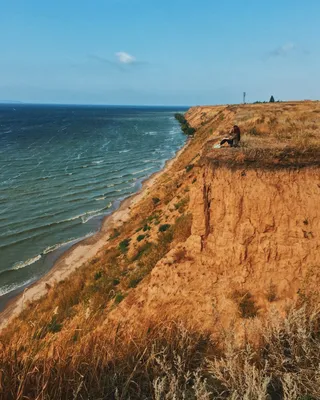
[234,138]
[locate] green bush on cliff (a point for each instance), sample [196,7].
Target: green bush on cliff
[123,246]
[185,127]
[164,227]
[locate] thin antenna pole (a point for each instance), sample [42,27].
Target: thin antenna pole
[244,97]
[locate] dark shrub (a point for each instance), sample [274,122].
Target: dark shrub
[53,326]
[134,282]
[164,227]
[119,297]
[97,275]
[155,200]
[123,246]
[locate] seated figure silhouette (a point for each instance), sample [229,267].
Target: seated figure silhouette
[234,138]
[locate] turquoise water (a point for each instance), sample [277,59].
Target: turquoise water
[63,169]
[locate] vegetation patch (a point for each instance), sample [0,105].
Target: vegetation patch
[146,228]
[164,227]
[254,131]
[272,292]
[140,237]
[134,282]
[123,246]
[114,234]
[170,362]
[181,205]
[118,298]
[182,228]
[189,167]
[142,250]
[97,275]
[185,127]
[54,326]
[246,304]
[155,200]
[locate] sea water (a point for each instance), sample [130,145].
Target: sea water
[62,169]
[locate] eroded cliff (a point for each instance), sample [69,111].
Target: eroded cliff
[222,239]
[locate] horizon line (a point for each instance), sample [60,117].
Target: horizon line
[17,103]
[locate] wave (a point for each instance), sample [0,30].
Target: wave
[124,151]
[10,288]
[82,217]
[100,198]
[97,162]
[57,246]
[91,214]
[50,249]
[105,144]
[151,133]
[86,219]
[23,264]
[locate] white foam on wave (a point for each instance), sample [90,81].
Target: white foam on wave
[10,288]
[91,214]
[23,264]
[124,151]
[105,144]
[87,218]
[100,198]
[50,249]
[84,214]
[97,162]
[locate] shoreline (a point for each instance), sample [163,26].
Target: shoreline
[84,250]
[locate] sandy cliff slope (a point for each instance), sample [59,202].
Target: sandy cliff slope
[221,240]
[218,228]
[255,222]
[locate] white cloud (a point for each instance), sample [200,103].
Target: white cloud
[125,58]
[283,50]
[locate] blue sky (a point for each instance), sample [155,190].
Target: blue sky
[158,52]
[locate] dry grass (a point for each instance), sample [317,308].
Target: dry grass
[170,362]
[270,132]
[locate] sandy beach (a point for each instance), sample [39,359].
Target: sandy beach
[83,251]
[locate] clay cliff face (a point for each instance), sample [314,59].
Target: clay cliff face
[252,231]
[254,245]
